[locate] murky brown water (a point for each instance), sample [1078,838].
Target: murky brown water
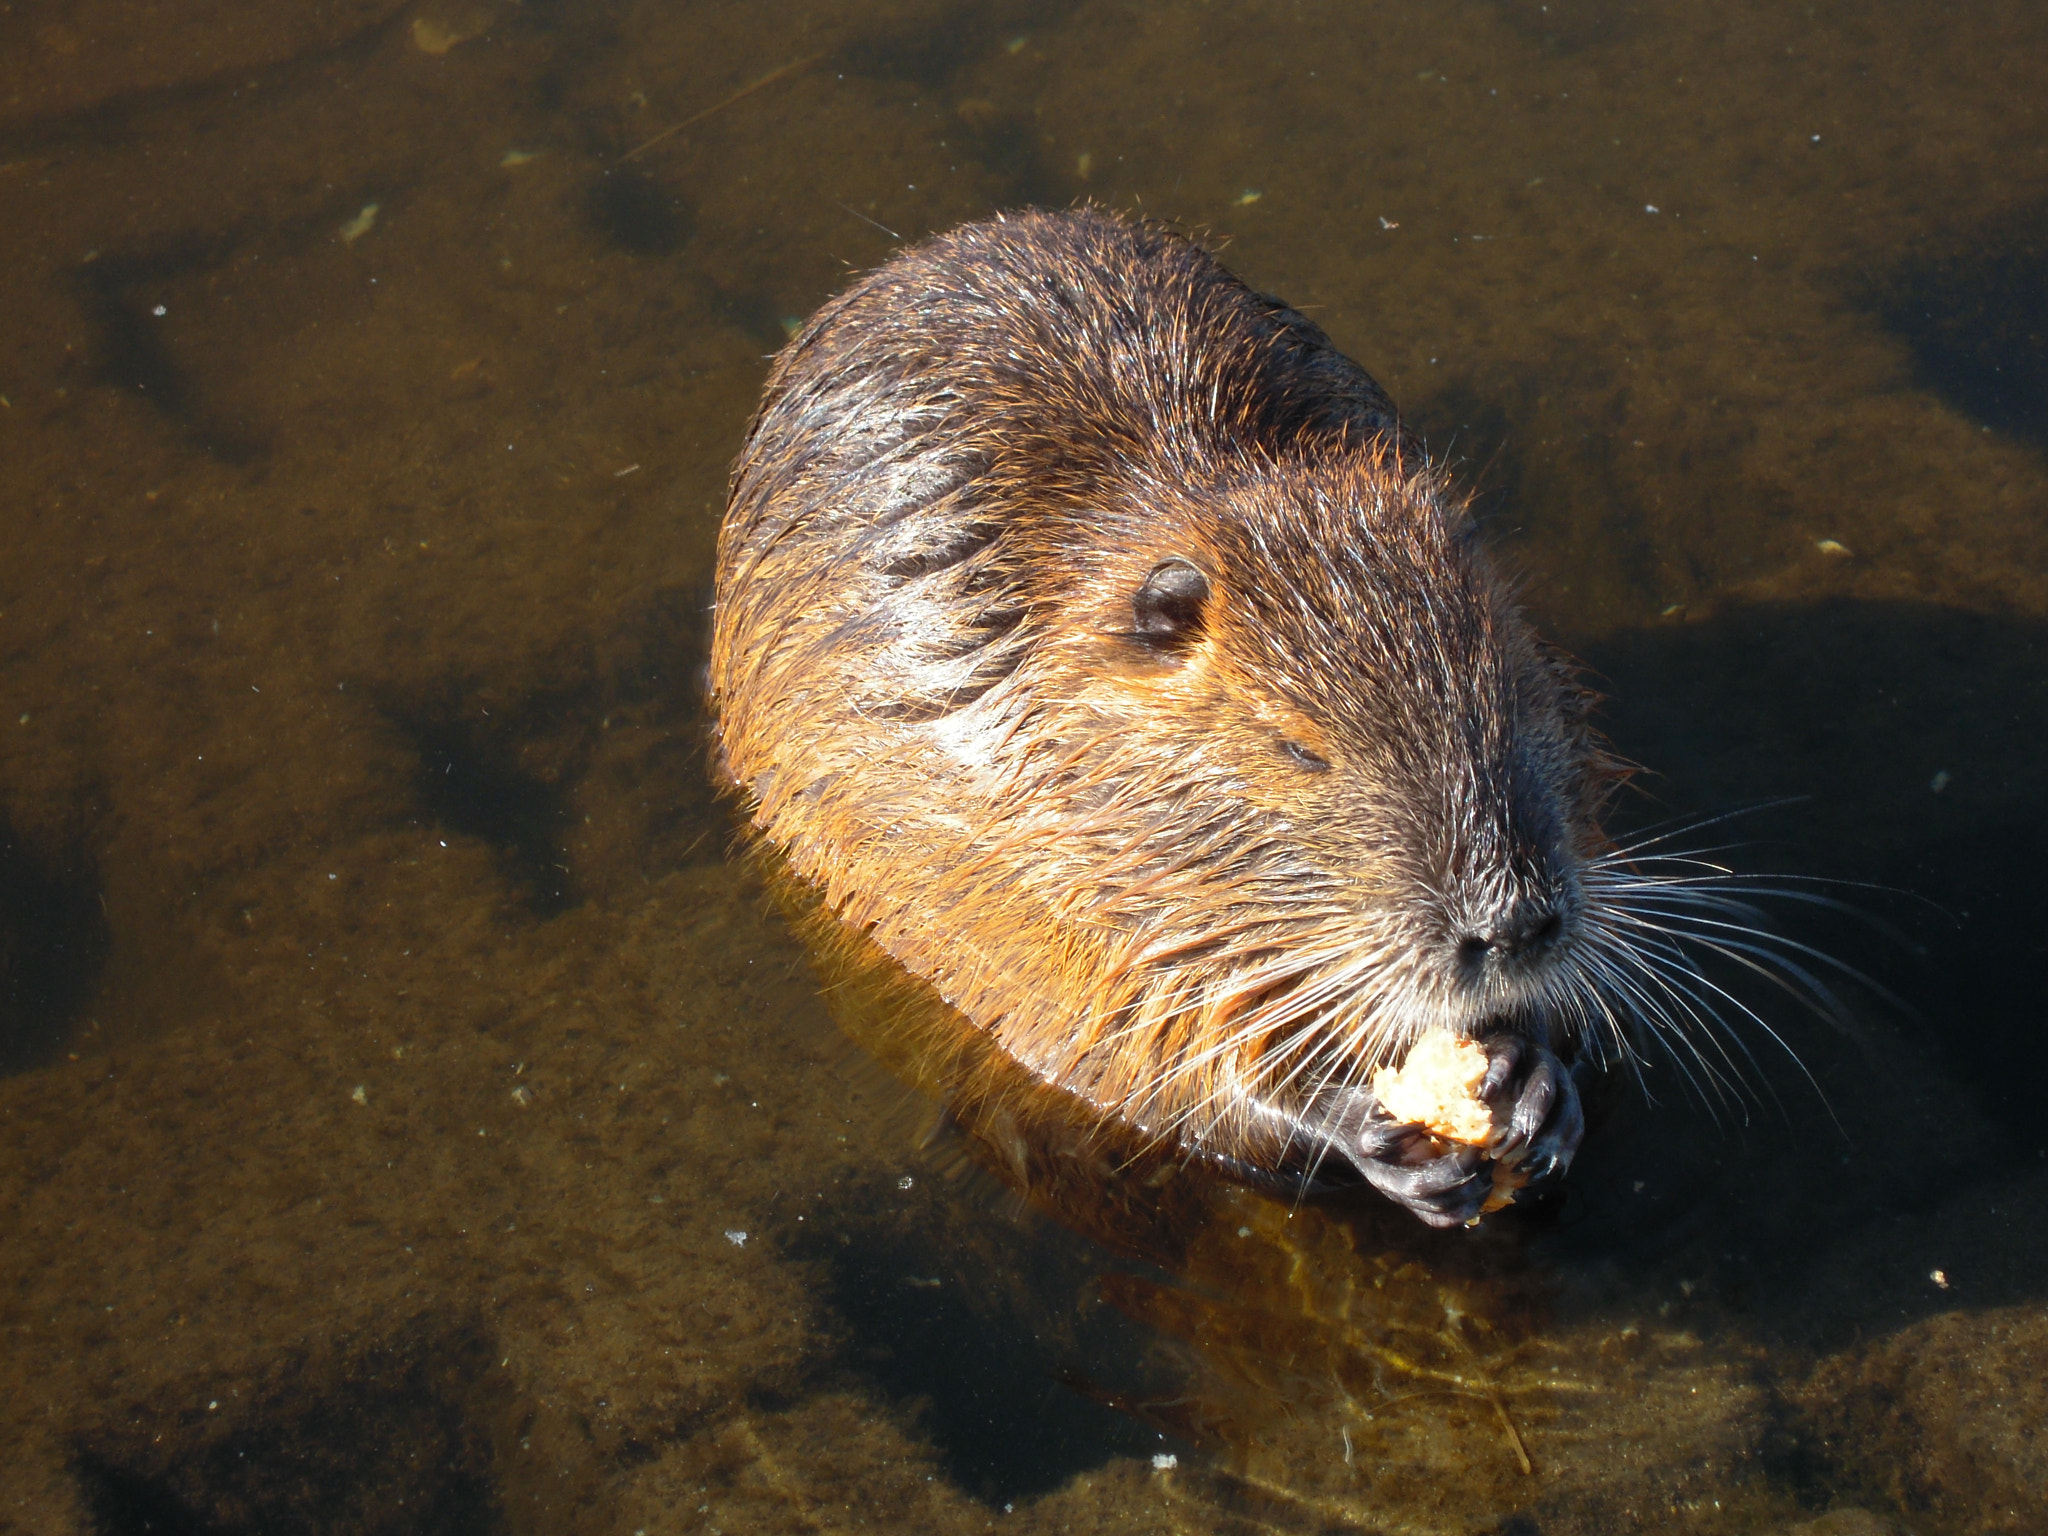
[415,1120]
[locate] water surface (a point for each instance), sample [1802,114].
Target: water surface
[416,1119]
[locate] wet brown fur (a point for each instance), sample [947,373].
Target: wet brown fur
[1113,852]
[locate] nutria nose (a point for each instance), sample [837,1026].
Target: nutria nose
[1523,930]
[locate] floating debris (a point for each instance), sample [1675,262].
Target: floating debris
[795,66]
[360,225]
[437,34]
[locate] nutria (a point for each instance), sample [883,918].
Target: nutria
[1094,637]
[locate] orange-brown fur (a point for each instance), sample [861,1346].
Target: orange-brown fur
[1117,856]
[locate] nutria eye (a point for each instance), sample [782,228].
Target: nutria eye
[1168,607]
[1303,758]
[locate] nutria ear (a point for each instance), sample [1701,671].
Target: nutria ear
[1168,606]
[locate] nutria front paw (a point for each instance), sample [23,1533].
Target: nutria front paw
[1447,1183]
[1444,1189]
[1546,1119]
[1443,1185]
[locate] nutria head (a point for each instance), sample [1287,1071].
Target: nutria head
[1092,635]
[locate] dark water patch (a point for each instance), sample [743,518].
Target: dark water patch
[1571,26]
[1475,435]
[640,213]
[598,765]
[656,732]
[129,353]
[483,772]
[1011,146]
[758,314]
[165,77]
[1975,313]
[384,1444]
[53,946]
[119,1502]
[928,44]
[1544,454]
[1915,735]
[660,655]
[991,1340]
[124,303]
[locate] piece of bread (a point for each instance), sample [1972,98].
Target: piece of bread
[1437,1087]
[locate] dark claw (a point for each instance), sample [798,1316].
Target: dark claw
[1532,1102]
[1504,1055]
[1558,1128]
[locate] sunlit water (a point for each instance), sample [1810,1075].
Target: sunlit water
[416,1119]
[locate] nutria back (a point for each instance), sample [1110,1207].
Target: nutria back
[1092,635]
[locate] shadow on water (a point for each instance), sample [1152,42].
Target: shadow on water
[928,45]
[1975,313]
[1581,27]
[53,946]
[1912,736]
[640,213]
[506,762]
[933,48]
[133,352]
[391,1440]
[980,1333]
[489,776]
